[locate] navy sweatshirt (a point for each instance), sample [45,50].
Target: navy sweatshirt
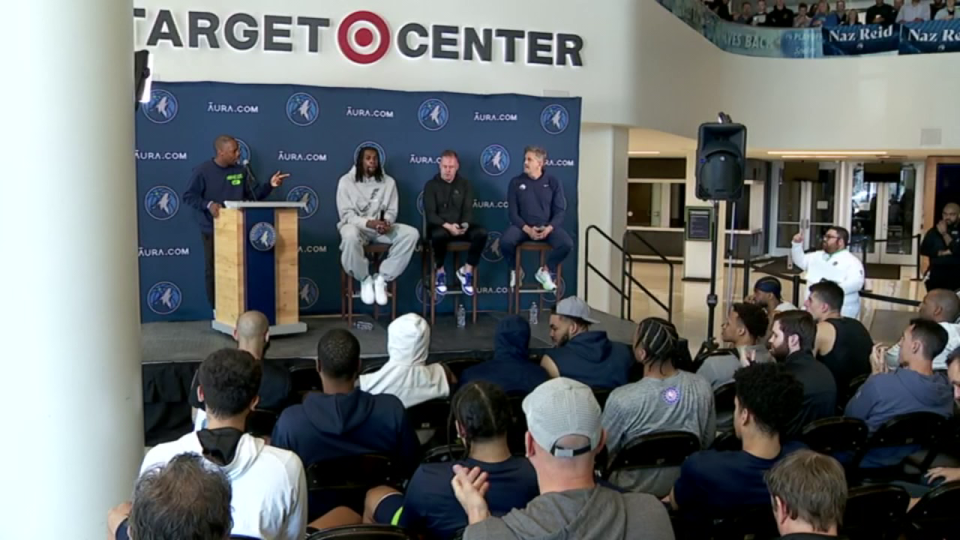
[537,202]
[594,360]
[212,183]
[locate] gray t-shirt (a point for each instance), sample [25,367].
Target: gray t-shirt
[718,370]
[596,513]
[683,402]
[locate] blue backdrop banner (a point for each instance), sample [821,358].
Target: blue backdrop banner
[861,39]
[930,37]
[313,133]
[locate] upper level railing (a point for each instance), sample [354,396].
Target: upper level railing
[910,38]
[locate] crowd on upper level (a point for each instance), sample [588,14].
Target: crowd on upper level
[823,14]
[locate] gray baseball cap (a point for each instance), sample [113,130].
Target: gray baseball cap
[573,306]
[560,408]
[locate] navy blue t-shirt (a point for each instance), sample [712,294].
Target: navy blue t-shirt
[212,183]
[712,481]
[431,508]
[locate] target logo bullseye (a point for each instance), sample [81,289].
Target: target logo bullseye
[363,37]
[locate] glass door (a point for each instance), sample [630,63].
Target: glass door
[884,216]
[806,201]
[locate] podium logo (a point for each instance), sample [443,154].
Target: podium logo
[303,109]
[433,114]
[263,236]
[494,160]
[244,151]
[554,119]
[380,152]
[308,292]
[161,203]
[164,298]
[306,195]
[492,251]
[162,108]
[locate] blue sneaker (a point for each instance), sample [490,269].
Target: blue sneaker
[441,283]
[466,281]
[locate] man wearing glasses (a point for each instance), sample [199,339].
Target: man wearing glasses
[834,263]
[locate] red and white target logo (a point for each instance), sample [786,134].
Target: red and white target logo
[363,37]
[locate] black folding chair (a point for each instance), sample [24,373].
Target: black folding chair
[431,414]
[362,532]
[723,401]
[726,442]
[697,362]
[458,365]
[347,479]
[655,450]
[444,453]
[756,522]
[305,379]
[371,366]
[919,428]
[602,394]
[875,512]
[935,515]
[839,437]
[260,423]
[850,391]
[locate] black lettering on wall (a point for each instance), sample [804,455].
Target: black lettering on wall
[445,37]
[276,27]
[164,29]
[510,38]
[211,23]
[248,37]
[569,47]
[474,44]
[403,40]
[313,24]
[540,48]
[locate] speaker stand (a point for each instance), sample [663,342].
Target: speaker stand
[710,343]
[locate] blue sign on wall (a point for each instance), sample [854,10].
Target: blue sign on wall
[313,134]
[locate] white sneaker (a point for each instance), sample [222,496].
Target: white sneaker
[380,288]
[366,290]
[546,281]
[513,278]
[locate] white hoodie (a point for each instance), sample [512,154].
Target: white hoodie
[359,202]
[406,374]
[269,486]
[842,268]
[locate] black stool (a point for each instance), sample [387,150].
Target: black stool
[347,295]
[513,304]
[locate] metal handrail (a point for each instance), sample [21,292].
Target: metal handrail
[670,269]
[624,276]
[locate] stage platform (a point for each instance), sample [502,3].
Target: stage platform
[171,352]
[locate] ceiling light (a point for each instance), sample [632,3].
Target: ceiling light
[827,153]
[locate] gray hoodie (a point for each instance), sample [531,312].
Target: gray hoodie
[597,513]
[359,202]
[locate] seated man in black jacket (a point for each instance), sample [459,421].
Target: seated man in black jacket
[448,206]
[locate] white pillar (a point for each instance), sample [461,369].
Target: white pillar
[73,414]
[603,202]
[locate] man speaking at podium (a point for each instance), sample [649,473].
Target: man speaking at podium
[221,179]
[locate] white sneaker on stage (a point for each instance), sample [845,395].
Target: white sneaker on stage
[546,280]
[513,278]
[366,290]
[380,288]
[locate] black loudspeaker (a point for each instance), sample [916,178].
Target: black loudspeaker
[141,72]
[721,161]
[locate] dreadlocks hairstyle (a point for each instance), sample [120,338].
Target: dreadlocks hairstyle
[483,412]
[358,164]
[658,338]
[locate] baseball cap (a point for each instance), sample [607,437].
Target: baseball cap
[770,285]
[573,306]
[560,408]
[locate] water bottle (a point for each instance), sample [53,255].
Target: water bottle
[363,326]
[461,316]
[534,313]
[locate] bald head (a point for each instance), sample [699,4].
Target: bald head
[951,214]
[252,332]
[227,150]
[940,305]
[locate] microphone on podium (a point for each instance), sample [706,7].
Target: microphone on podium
[251,180]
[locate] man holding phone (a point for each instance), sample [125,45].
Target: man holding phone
[537,209]
[448,208]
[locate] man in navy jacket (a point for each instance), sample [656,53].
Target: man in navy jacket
[537,208]
[221,179]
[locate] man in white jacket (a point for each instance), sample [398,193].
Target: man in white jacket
[367,203]
[835,263]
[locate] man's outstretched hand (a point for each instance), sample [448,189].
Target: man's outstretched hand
[470,486]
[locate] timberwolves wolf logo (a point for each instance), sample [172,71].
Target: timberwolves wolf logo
[245,154]
[305,195]
[420,203]
[433,114]
[492,252]
[163,107]
[302,109]
[162,203]
[263,236]
[423,294]
[554,119]
[307,292]
[164,298]
[380,151]
[494,160]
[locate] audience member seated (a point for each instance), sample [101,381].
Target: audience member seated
[843,344]
[344,420]
[564,437]
[802,20]
[183,498]
[713,483]
[915,11]
[665,399]
[781,16]
[767,293]
[794,335]
[582,354]
[941,306]
[745,327]
[880,13]
[406,373]
[269,485]
[913,387]
[746,14]
[481,415]
[809,495]
[253,335]
[760,17]
[510,368]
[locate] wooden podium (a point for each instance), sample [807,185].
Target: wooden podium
[256,264]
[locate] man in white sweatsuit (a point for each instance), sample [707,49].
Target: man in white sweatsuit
[833,263]
[367,203]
